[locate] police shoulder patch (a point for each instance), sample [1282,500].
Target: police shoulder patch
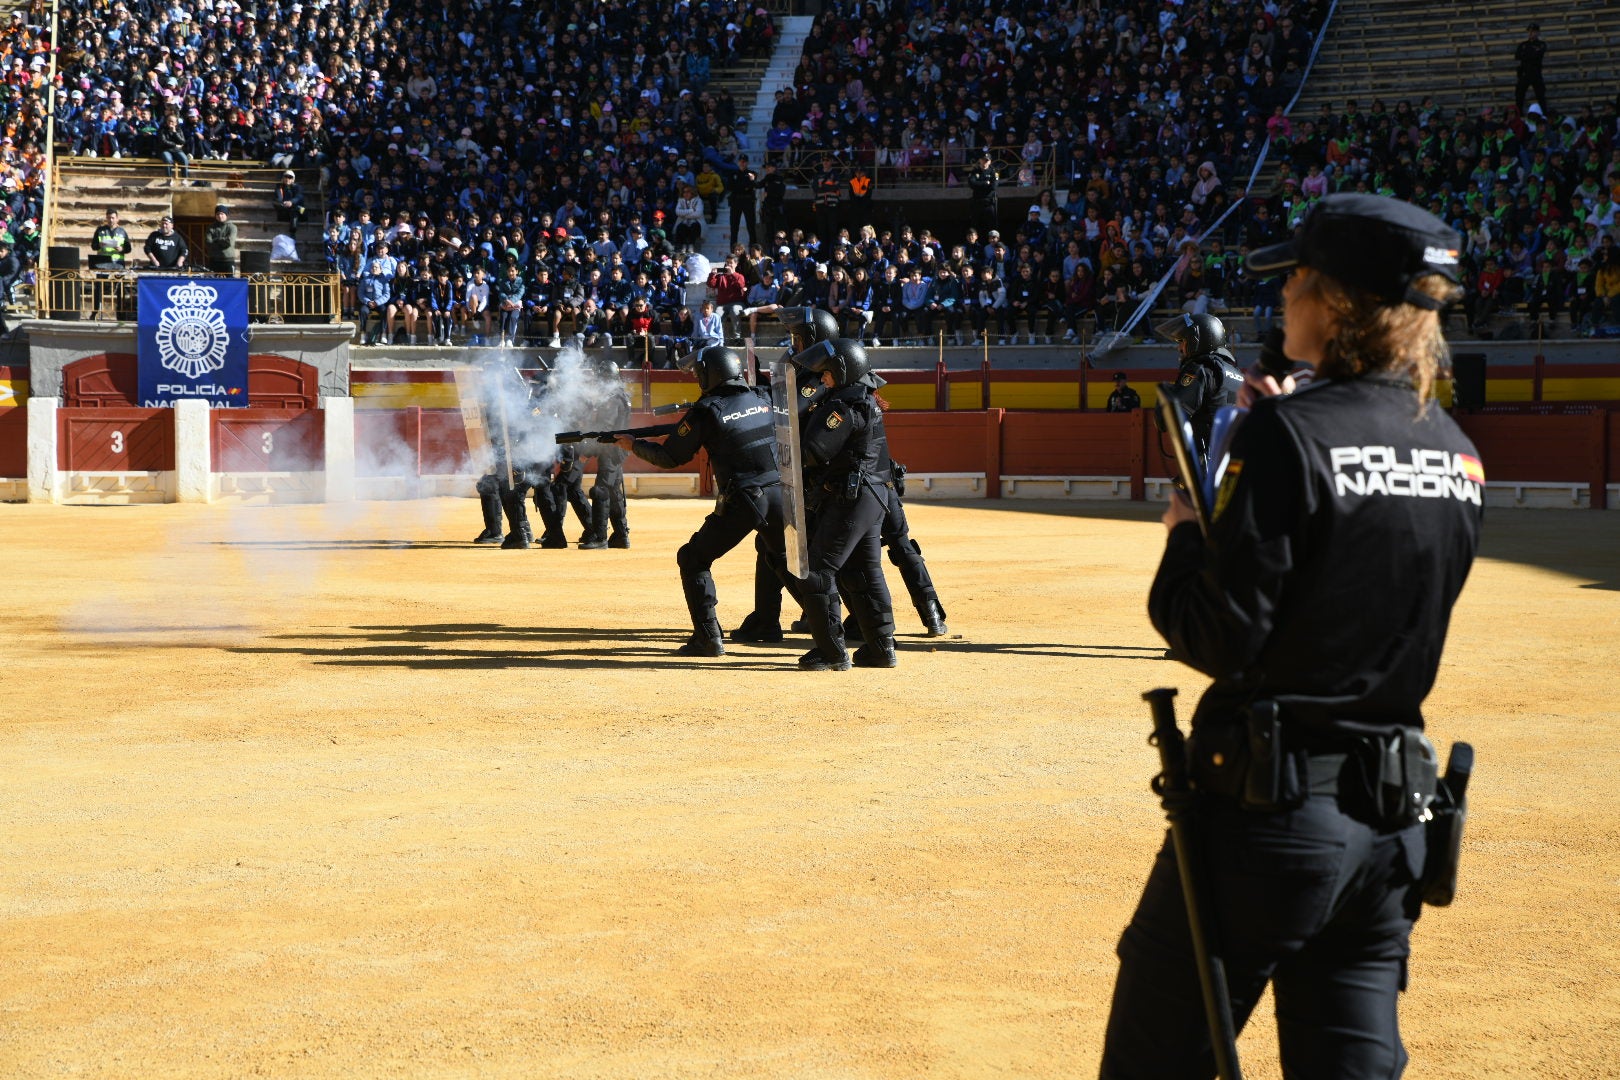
[684,429]
[835,419]
[1186,379]
[809,391]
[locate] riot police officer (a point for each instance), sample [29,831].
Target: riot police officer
[1209,376]
[806,326]
[843,449]
[559,486]
[1358,482]
[504,396]
[608,505]
[732,421]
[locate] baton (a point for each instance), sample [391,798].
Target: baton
[1175,793]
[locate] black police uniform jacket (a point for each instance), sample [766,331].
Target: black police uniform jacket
[1203,384]
[1342,533]
[843,435]
[733,423]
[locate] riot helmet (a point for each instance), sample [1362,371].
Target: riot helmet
[806,326]
[845,358]
[713,366]
[1196,334]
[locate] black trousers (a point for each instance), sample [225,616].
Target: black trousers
[744,510]
[513,500]
[1311,900]
[845,557]
[906,555]
[743,211]
[1522,84]
[608,505]
[552,498]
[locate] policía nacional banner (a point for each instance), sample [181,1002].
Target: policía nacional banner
[192,341]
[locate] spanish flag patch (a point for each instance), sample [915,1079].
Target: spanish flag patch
[1473,467]
[834,420]
[1223,494]
[684,430]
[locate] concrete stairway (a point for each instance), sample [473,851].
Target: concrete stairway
[1461,54]
[779,73]
[141,192]
[769,77]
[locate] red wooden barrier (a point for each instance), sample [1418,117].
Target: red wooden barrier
[115,439]
[268,440]
[14,442]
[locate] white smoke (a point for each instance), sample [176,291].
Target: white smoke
[577,395]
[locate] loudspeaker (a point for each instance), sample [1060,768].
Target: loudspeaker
[255,262]
[1468,380]
[65,257]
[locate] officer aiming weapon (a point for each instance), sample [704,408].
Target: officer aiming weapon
[1175,792]
[565,438]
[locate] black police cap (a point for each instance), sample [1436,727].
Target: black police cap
[1371,242]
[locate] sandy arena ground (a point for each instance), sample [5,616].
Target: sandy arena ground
[329,792]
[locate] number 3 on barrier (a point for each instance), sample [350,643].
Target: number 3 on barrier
[269,442]
[118,442]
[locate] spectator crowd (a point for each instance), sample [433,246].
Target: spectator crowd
[25,53]
[504,171]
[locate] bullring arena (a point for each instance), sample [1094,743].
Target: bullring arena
[325,791]
[302,783]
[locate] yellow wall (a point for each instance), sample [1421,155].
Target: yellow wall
[13,392]
[1034,395]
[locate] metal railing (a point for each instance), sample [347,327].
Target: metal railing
[109,296]
[923,167]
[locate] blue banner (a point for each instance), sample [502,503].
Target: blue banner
[192,341]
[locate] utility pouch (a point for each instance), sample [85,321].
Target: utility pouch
[852,486]
[1408,770]
[1262,782]
[1274,778]
[899,472]
[1444,829]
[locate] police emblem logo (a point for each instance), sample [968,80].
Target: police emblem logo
[684,429]
[808,391]
[834,420]
[191,334]
[1186,380]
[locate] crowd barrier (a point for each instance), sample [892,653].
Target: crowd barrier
[400,434]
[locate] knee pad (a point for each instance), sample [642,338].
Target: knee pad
[689,561]
[821,581]
[487,485]
[905,551]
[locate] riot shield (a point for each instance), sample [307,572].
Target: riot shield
[484,411]
[785,415]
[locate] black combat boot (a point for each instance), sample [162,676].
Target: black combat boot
[821,614]
[596,537]
[934,619]
[491,504]
[877,654]
[755,630]
[705,641]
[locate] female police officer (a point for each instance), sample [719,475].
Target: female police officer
[1355,486]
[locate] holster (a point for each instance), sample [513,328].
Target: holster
[1443,834]
[898,472]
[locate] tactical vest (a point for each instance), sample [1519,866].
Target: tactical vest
[741,435]
[867,449]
